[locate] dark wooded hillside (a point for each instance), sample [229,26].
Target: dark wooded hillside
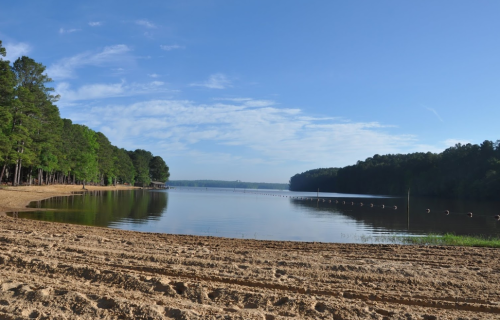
[469,171]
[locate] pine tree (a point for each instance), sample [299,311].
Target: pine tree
[7,83]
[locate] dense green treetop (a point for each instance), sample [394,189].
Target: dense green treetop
[140,159]
[7,83]
[158,169]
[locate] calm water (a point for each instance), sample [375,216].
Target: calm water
[269,214]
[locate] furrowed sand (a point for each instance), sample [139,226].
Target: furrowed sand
[63,271]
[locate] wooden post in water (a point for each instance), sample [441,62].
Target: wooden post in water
[317,195]
[408,209]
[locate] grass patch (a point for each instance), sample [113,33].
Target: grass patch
[449,239]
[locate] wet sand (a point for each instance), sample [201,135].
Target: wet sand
[61,271]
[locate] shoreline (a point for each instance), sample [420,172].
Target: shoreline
[16,199]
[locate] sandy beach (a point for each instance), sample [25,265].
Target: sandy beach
[62,271]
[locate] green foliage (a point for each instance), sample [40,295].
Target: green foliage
[105,159]
[123,165]
[311,180]
[158,169]
[140,159]
[86,155]
[7,83]
[454,240]
[3,53]
[469,171]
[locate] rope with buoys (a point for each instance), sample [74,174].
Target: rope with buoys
[352,203]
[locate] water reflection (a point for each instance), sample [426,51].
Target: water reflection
[387,219]
[269,214]
[104,208]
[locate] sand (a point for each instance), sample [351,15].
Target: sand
[61,271]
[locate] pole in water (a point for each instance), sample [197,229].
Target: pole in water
[317,194]
[408,209]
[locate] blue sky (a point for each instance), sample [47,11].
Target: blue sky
[261,90]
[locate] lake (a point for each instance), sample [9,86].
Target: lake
[270,214]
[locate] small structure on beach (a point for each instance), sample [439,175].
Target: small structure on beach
[152,185]
[157,185]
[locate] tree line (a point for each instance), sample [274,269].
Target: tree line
[464,170]
[227,184]
[37,146]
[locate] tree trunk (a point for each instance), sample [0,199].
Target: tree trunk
[3,171]
[19,172]
[14,179]
[17,175]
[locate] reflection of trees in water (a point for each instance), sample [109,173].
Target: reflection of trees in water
[390,220]
[104,207]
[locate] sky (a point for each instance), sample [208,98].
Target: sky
[261,90]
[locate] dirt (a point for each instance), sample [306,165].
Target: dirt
[61,271]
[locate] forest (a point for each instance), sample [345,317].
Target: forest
[37,146]
[227,184]
[464,170]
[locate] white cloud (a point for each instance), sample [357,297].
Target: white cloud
[259,103]
[249,102]
[435,113]
[105,90]
[171,47]
[154,75]
[453,142]
[215,81]
[64,31]
[95,23]
[145,23]
[16,50]
[234,99]
[65,68]
[268,134]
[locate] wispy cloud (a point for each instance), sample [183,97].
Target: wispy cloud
[154,75]
[105,90]
[16,50]
[95,23]
[248,102]
[435,113]
[215,81]
[453,142]
[171,47]
[65,68]
[272,134]
[65,31]
[145,23]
